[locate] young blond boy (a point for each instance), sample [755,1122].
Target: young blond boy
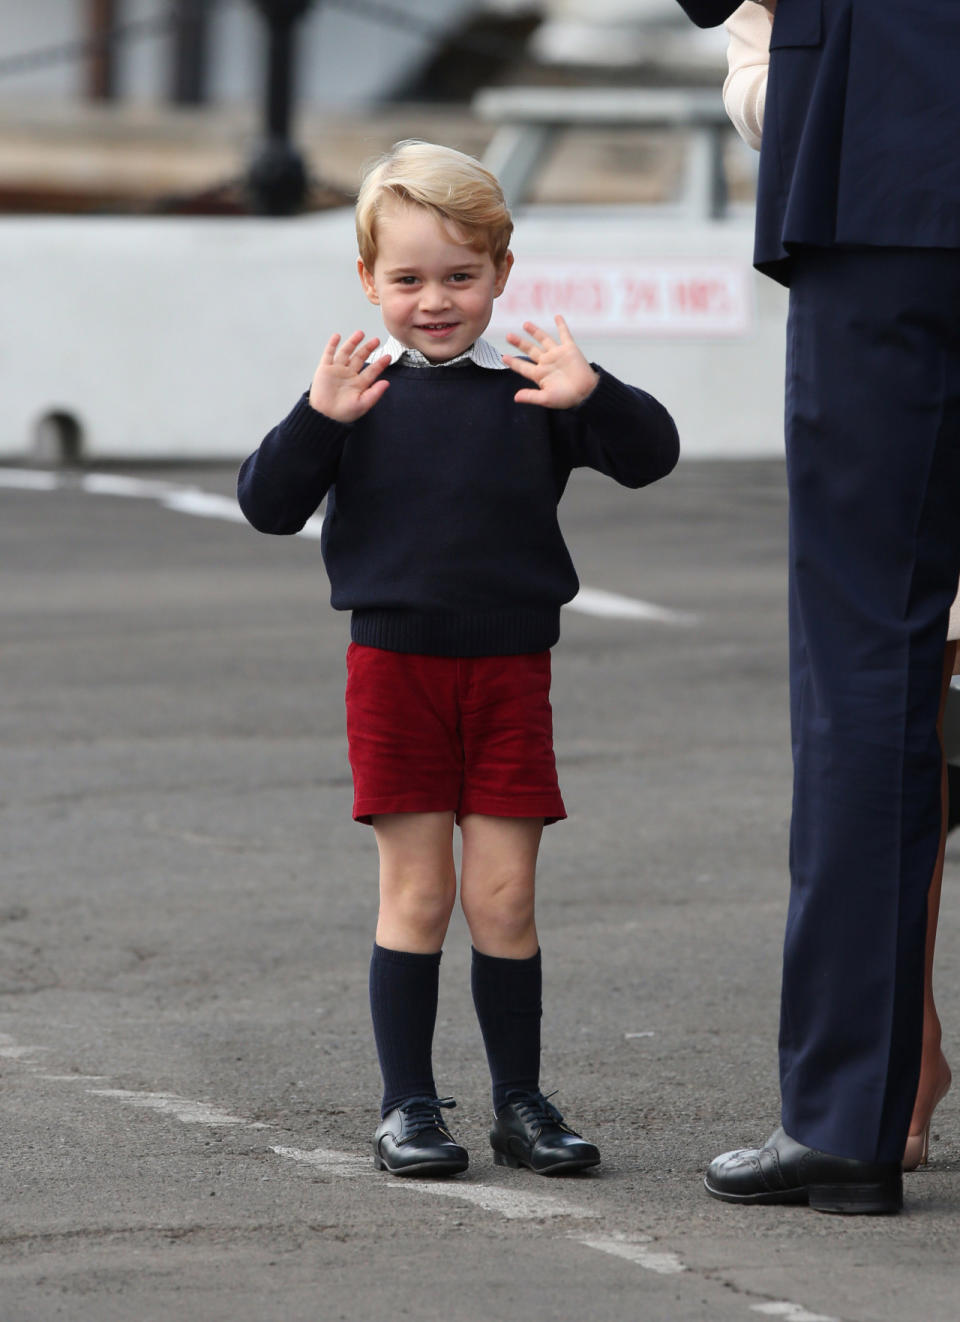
[443,463]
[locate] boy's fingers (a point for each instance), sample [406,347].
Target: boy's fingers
[521,366]
[525,346]
[349,346]
[530,397]
[365,350]
[369,397]
[377,366]
[328,353]
[538,334]
[564,329]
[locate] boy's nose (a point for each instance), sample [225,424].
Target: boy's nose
[434,297]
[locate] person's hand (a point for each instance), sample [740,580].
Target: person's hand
[562,376]
[344,387]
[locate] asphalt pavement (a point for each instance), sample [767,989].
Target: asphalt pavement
[187,1078]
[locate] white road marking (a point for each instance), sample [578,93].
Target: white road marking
[72,1078]
[513,1204]
[790,1312]
[118,484]
[205,505]
[29,479]
[185,1110]
[210,505]
[11,1050]
[344,1164]
[612,606]
[634,1249]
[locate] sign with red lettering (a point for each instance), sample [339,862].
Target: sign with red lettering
[659,296]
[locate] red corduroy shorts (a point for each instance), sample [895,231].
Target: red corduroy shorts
[440,734]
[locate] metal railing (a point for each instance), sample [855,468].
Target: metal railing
[530,119]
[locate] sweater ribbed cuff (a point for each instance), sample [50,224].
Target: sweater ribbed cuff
[305,426]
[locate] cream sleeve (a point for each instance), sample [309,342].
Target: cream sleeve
[748,56]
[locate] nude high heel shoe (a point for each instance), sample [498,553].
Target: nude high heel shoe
[917,1148]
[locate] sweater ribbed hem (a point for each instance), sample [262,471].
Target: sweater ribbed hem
[480,633]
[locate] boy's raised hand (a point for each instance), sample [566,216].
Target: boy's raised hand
[344,387]
[562,376]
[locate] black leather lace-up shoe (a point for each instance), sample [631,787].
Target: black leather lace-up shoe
[530,1132]
[784,1171]
[413,1140]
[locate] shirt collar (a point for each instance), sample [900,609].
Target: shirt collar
[481,352]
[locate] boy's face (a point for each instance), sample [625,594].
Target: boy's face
[434,294]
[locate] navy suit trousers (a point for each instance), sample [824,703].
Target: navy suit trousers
[873,463]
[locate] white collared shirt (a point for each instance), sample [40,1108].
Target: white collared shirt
[481,352]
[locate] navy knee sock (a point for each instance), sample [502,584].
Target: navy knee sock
[507,997]
[403,1005]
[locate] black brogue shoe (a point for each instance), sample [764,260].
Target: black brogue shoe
[413,1140]
[529,1131]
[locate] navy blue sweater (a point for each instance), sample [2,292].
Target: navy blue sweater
[441,532]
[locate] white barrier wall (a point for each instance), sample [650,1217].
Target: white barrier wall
[188,338]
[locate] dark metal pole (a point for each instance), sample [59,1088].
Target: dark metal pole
[101,69]
[277,177]
[191,41]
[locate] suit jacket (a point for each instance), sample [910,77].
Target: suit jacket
[861,141]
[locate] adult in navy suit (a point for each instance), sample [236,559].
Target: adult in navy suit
[858,211]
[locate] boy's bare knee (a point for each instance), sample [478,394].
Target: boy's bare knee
[501,917]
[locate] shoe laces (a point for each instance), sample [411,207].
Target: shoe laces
[424,1112]
[534,1108]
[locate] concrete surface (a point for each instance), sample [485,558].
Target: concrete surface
[187,909]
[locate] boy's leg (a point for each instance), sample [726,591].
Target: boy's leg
[497,895]
[417,891]
[418,879]
[498,875]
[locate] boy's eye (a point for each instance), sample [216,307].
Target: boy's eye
[460,276]
[407,280]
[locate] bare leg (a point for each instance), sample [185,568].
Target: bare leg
[934,1070]
[417,887]
[497,883]
[418,880]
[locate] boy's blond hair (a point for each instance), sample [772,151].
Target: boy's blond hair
[454,186]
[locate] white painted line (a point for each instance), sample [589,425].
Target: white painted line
[648,1033]
[612,606]
[73,1078]
[513,1204]
[346,1165]
[11,1050]
[185,1110]
[118,484]
[204,505]
[790,1312]
[29,479]
[210,505]
[634,1249]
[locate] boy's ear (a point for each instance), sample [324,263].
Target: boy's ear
[366,279]
[503,272]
